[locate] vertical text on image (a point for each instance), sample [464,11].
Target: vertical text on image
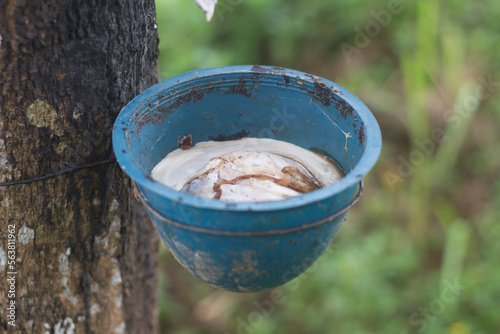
[11,274]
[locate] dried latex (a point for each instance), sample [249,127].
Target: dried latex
[245,170]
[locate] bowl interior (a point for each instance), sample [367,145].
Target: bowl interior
[232,103]
[237,106]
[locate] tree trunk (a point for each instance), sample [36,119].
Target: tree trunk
[85,255]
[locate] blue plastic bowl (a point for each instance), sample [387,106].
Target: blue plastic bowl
[247,247]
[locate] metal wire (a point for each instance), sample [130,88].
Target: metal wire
[59,172]
[171,222]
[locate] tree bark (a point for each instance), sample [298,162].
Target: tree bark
[85,254]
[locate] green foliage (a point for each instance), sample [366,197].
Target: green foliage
[423,224]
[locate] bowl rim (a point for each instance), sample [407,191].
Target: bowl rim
[373,144]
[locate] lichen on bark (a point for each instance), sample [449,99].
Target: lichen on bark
[41,114]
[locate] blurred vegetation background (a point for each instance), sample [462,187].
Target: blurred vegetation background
[420,252]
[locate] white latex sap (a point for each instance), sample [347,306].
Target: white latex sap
[245,170]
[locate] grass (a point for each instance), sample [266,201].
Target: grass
[414,234]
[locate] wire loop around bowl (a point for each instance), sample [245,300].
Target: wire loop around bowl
[140,196]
